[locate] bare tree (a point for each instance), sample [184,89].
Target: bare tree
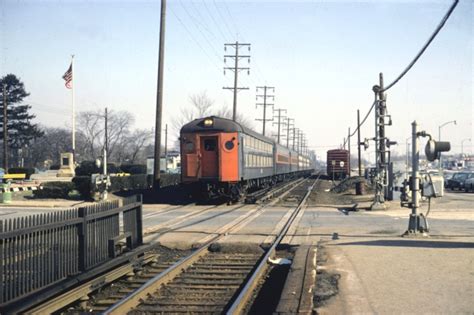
[137,142]
[226,112]
[201,105]
[91,125]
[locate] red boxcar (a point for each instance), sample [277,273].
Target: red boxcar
[338,163]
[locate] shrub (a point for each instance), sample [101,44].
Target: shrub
[133,169]
[87,168]
[113,169]
[22,170]
[54,190]
[84,186]
[138,181]
[169,179]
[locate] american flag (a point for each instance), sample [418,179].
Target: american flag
[68,77]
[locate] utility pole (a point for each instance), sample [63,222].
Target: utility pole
[159,98]
[289,122]
[106,145]
[359,185]
[359,144]
[382,187]
[265,95]
[5,130]
[349,149]
[300,140]
[279,122]
[236,70]
[166,148]
[294,135]
[106,131]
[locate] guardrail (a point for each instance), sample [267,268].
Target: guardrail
[38,251]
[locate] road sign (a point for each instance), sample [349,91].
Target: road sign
[333,162]
[341,164]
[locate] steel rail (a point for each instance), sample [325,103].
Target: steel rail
[241,301]
[265,194]
[135,298]
[83,290]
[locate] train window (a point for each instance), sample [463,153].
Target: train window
[189,146]
[229,145]
[210,144]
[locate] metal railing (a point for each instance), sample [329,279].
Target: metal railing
[40,250]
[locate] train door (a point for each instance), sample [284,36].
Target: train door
[210,159]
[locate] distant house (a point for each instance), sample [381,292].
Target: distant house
[169,164]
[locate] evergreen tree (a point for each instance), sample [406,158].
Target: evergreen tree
[20,128]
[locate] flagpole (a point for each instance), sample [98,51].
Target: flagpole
[73,109]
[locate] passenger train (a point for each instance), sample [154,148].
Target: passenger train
[220,157]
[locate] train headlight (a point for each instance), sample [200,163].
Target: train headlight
[208,122]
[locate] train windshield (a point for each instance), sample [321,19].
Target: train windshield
[210,145]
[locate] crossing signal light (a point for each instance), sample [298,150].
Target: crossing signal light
[434,148]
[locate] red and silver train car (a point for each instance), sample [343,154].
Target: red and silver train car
[338,164]
[220,157]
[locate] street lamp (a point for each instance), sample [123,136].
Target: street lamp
[462,145]
[439,139]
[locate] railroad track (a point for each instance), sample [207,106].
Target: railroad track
[203,281]
[206,281]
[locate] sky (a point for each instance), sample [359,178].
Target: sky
[322,57]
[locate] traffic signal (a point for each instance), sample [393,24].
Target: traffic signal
[434,148]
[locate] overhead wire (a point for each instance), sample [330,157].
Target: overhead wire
[412,63]
[214,20]
[193,38]
[432,37]
[199,29]
[222,18]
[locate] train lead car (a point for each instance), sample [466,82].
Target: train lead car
[220,157]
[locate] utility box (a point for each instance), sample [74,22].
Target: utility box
[432,186]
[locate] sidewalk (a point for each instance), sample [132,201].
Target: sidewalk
[399,276]
[379,272]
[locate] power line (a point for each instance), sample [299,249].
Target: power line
[193,38]
[222,18]
[365,118]
[259,72]
[410,65]
[199,29]
[214,20]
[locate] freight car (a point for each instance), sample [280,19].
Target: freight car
[338,166]
[220,157]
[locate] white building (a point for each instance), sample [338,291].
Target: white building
[171,164]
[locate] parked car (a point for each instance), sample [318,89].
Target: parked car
[447,175]
[457,181]
[469,183]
